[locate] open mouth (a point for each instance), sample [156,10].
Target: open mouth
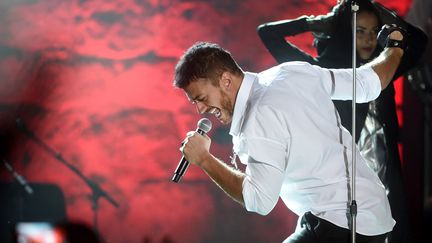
[217,112]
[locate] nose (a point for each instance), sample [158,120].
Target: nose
[201,107]
[370,37]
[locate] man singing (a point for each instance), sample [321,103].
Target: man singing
[287,131]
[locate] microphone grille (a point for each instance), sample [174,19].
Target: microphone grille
[204,124]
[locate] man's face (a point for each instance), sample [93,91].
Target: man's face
[212,99]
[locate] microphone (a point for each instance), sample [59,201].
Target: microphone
[203,126]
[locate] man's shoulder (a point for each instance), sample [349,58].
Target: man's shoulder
[299,66]
[295,64]
[288,72]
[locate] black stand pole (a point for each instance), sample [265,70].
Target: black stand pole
[20,179]
[353,206]
[97,191]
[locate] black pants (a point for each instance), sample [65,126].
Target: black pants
[318,230]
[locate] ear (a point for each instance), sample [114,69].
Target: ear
[225,81]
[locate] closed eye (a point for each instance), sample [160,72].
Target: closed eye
[201,99]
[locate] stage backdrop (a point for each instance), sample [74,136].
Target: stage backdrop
[87,105]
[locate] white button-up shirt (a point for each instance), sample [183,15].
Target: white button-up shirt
[287,130]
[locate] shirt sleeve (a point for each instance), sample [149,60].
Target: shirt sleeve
[264,148]
[261,187]
[338,83]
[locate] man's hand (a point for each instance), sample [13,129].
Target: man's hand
[386,63]
[195,147]
[396,35]
[392,36]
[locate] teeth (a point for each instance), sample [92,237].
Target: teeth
[218,113]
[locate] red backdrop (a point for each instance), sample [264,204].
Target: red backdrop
[92,81]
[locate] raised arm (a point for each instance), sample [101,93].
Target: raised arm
[386,64]
[273,36]
[416,39]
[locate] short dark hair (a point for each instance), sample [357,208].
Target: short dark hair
[204,60]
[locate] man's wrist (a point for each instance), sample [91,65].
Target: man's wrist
[396,51]
[205,160]
[402,44]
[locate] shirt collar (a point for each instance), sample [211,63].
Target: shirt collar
[241,102]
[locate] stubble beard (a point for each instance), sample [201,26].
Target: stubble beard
[227,107]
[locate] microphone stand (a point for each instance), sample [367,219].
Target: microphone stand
[20,179]
[353,206]
[97,191]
